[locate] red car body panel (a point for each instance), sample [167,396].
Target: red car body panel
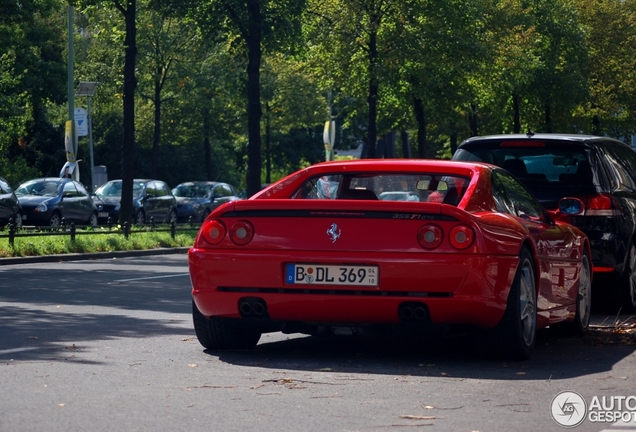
[468,286]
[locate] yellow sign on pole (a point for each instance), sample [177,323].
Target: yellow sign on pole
[329,137]
[68,142]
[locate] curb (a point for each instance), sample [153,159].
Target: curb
[91,256]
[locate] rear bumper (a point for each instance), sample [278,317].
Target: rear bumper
[456,288]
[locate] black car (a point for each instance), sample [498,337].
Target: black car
[10,208]
[151,199]
[600,171]
[197,199]
[46,201]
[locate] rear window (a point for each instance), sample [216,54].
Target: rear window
[550,171]
[442,188]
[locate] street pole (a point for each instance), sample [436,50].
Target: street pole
[87,88]
[71,86]
[90,141]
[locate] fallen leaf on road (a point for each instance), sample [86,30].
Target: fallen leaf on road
[418,417]
[192,365]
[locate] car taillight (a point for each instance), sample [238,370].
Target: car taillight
[602,205]
[213,232]
[461,236]
[430,236]
[242,233]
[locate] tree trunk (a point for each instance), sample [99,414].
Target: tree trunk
[254,112]
[472,120]
[406,144]
[156,137]
[372,99]
[418,106]
[207,147]
[516,127]
[548,118]
[268,146]
[453,142]
[389,145]
[130,85]
[596,125]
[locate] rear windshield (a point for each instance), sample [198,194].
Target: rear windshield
[549,171]
[442,188]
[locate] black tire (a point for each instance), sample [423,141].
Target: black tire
[580,325]
[515,335]
[628,283]
[55,220]
[218,333]
[581,321]
[93,221]
[140,218]
[205,215]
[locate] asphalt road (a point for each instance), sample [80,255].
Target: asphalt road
[108,345]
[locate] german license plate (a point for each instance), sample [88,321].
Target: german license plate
[102,214]
[331,274]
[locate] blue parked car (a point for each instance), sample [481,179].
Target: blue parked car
[45,201]
[197,199]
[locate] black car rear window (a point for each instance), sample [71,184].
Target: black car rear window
[550,170]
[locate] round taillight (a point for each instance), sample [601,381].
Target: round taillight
[461,236]
[430,236]
[214,232]
[242,232]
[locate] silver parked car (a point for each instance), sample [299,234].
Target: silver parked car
[151,199]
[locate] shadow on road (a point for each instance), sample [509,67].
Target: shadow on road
[33,334]
[555,357]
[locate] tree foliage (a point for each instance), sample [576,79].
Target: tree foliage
[239,90]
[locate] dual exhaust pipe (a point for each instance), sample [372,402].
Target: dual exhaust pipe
[253,307]
[409,312]
[412,312]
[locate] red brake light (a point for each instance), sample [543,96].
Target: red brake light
[601,205]
[430,236]
[461,236]
[242,232]
[213,232]
[522,144]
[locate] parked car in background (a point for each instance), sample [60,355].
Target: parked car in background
[151,199]
[45,201]
[9,205]
[197,199]
[600,171]
[475,249]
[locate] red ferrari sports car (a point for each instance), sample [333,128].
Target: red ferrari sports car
[353,245]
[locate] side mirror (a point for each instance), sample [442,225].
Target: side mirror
[571,206]
[567,208]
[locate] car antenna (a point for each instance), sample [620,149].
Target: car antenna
[530,134]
